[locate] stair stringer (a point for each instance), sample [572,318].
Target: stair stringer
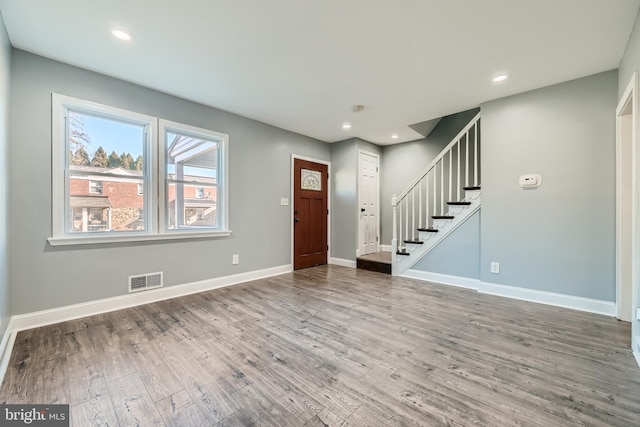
[401,263]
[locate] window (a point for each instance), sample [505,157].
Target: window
[95,187]
[133,164]
[195,182]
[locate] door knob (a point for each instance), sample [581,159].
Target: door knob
[362,209]
[297,219]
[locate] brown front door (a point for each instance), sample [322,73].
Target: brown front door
[309,214]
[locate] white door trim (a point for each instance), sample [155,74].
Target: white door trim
[291,201]
[358,240]
[623,145]
[630,95]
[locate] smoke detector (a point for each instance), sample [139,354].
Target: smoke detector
[357,108]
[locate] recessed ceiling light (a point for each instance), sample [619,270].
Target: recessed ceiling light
[394,136]
[500,78]
[121,34]
[346,126]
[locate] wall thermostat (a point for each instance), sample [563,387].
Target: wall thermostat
[530,180]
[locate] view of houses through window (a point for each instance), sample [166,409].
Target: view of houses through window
[108,176]
[105,168]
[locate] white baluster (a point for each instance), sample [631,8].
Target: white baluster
[400,239]
[394,207]
[419,204]
[450,175]
[458,173]
[413,213]
[435,192]
[442,186]
[406,212]
[426,196]
[466,163]
[475,153]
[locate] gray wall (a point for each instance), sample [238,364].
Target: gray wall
[5,287]
[344,202]
[631,59]
[559,237]
[458,254]
[401,163]
[344,170]
[45,277]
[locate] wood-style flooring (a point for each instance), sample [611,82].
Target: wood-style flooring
[332,346]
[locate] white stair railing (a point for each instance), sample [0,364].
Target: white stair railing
[455,168]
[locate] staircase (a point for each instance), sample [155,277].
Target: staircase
[438,201]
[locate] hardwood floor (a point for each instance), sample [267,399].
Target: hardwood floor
[332,346]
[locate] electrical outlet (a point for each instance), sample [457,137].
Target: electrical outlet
[235,259]
[495,267]
[284,201]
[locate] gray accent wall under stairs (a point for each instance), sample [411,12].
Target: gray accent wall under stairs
[458,254]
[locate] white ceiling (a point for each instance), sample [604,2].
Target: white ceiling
[302,65]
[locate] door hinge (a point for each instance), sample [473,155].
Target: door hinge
[376,169]
[327,247]
[327,211]
[376,238]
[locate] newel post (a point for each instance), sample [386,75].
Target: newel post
[394,240]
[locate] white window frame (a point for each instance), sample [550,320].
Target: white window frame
[91,181]
[154,177]
[222,183]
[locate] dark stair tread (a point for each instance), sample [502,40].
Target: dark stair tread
[459,203]
[442,217]
[415,242]
[428,230]
[402,253]
[471,188]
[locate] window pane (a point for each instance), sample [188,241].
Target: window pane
[105,166]
[192,178]
[187,210]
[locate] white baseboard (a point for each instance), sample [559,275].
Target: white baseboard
[342,262]
[635,354]
[76,311]
[607,308]
[36,319]
[6,347]
[385,248]
[542,297]
[445,279]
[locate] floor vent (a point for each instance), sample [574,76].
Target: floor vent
[143,282]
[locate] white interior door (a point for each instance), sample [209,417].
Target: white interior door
[368,203]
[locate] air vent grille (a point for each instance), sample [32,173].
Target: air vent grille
[143,282]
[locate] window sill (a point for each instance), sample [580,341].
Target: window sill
[98,240]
